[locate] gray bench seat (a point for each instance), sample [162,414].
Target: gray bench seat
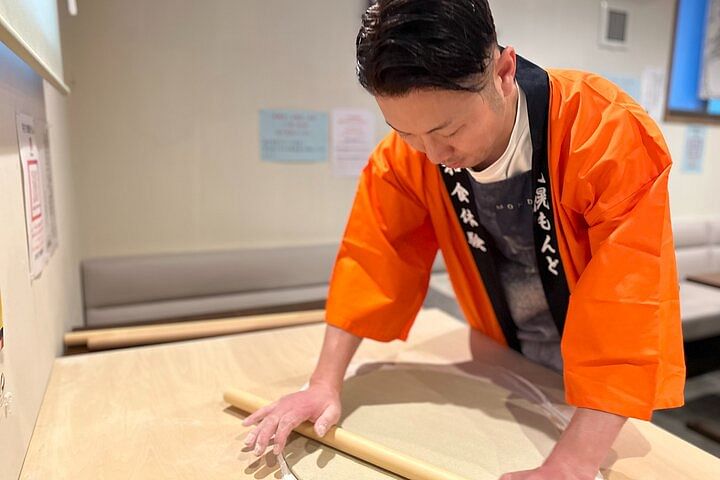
[136,289]
[699,310]
[183,286]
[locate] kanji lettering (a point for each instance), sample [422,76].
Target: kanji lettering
[475,241]
[541,199]
[462,194]
[468,218]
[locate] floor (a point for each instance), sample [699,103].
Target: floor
[702,405]
[702,397]
[702,389]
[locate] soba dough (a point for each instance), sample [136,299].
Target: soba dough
[468,425]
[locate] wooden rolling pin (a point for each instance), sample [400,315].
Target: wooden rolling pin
[103,339]
[352,444]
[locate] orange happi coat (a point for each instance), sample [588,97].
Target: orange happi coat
[608,166]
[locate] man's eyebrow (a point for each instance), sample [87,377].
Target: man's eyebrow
[439,127]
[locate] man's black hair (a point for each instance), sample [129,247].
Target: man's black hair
[405,45]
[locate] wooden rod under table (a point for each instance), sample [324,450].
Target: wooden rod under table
[352,444]
[102,339]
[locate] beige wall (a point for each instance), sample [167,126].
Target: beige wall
[166,99]
[165,110]
[35,313]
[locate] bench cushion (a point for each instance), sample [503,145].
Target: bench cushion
[700,310]
[120,281]
[121,290]
[199,307]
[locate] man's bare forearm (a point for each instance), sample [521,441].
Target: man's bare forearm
[587,439]
[337,350]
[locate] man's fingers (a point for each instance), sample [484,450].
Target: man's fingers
[286,425]
[258,415]
[251,437]
[265,432]
[329,417]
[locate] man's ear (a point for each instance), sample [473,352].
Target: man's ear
[505,65]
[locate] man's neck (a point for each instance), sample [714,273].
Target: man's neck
[506,132]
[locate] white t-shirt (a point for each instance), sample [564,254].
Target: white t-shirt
[517,157]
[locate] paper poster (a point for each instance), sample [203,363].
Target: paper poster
[31,163]
[51,221]
[692,161]
[353,140]
[293,136]
[652,96]
[710,74]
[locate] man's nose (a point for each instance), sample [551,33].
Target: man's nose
[438,152]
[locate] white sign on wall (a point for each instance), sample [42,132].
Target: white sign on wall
[34,193]
[353,140]
[46,163]
[692,161]
[652,95]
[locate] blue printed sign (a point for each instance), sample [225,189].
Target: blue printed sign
[293,136]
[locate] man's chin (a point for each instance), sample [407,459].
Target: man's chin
[463,164]
[455,165]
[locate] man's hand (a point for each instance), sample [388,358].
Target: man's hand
[550,472]
[319,404]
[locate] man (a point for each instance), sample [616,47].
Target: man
[535,185]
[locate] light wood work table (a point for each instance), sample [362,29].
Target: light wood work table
[157,412]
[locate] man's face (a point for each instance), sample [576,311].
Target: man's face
[456,129]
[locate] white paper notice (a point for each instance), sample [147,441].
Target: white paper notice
[31,163]
[653,92]
[46,163]
[353,140]
[692,161]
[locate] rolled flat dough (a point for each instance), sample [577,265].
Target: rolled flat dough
[468,425]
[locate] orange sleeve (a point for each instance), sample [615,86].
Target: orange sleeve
[382,271]
[622,345]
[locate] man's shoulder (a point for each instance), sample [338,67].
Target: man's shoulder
[577,83]
[594,124]
[596,102]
